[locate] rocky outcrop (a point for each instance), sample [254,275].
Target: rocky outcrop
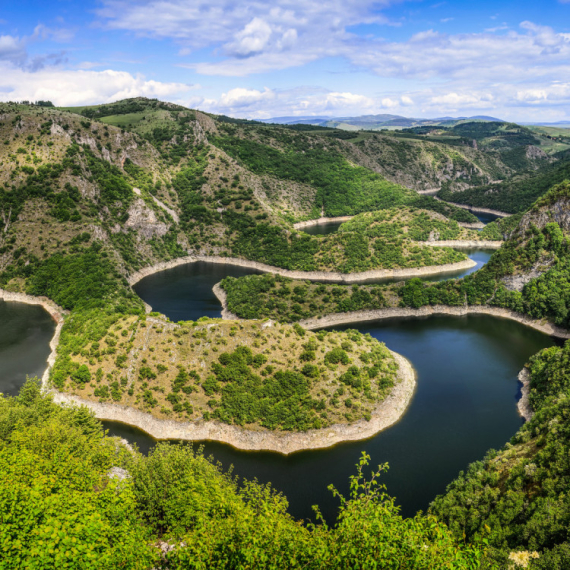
[558,212]
[144,221]
[331,276]
[517,282]
[535,153]
[386,413]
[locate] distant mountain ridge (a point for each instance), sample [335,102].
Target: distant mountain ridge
[376,122]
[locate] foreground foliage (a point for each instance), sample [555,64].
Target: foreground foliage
[63,508]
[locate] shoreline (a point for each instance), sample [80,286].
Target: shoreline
[310,275]
[476,209]
[462,244]
[386,414]
[321,220]
[399,312]
[222,297]
[429,310]
[56,313]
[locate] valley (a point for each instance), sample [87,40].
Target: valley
[136,218]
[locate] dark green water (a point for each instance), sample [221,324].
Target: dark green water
[465,404]
[185,292]
[322,229]
[485,218]
[465,401]
[25,333]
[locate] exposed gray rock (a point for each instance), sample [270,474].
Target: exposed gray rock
[118,473]
[144,221]
[534,153]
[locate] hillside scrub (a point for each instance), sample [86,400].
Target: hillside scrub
[63,506]
[290,300]
[342,189]
[242,373]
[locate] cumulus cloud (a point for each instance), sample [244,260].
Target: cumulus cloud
[536,51]
[268,103]
[81,87]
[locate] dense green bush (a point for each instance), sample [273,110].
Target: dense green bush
[60,508]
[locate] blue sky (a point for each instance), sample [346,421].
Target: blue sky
[290,57]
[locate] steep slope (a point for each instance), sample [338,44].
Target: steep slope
[517,193]
[530,273]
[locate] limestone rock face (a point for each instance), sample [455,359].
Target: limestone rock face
[558,212]
[533,153]
[144,220]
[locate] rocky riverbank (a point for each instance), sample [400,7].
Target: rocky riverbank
[386,413]
[319,221]
[458,244]
[331,276]
[56,312]
[476,210]
[523,405]
[397,312]
[223,299]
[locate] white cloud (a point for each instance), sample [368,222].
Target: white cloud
[305,29]
[243,98]
[12,49]
[252,39]
[68,87]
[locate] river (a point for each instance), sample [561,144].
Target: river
[24,344]
[465,401]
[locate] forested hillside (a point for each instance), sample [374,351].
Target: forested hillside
[529,274]
[89,195]
[515,194]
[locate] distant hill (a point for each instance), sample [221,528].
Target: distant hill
[376,122]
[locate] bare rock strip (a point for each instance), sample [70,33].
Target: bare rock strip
[311,275]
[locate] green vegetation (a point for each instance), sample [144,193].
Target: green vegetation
[544,248]
[516,194]
[73,227]
[342,188]
[382,240]
[59,508]
[288,300]
[63,506]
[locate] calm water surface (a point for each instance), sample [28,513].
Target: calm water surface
[184,293]
[25,333]
[486,218]
[465,404]
[322,229]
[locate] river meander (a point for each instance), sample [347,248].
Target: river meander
[465,401]
[25,333]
